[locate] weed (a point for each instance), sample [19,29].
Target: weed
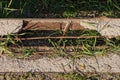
[9,40]
[27,52]
[4,44]
[57,49]
[4,49]
[68,14]
[88,46]
[114,45]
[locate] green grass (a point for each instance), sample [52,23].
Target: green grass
[88,45]
[60,9]
[5,43]
[9,41]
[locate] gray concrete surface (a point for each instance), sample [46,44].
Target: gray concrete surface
[109,63]
[8,26]
[107,27]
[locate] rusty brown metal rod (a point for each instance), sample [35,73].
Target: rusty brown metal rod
[59,37]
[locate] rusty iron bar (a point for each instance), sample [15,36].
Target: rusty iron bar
[59,37]
[67,26]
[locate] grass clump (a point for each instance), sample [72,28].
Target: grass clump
[84,46]
[59,9]
[8,41]
[5,43]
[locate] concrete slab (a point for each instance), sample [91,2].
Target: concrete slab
[109,63]
[8,26]
[107,27]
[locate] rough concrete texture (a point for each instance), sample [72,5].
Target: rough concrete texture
[109,63]
[105,26]
[8,26]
